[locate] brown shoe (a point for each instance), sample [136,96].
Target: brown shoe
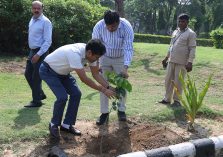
[54,131]
[71,130]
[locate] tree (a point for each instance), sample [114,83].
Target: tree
[119,7]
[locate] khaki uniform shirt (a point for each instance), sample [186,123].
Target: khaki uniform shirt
[182,46]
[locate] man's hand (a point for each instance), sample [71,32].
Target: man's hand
[189,67]
[124,72]
[109,93]
[35,58]
[111,88]
[164,62]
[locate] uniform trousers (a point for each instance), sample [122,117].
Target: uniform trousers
[173,71]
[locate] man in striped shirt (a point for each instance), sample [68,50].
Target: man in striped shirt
[117,35]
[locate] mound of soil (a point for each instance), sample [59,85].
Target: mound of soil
[109,140]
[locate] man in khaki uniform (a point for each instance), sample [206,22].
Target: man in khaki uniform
[179,57]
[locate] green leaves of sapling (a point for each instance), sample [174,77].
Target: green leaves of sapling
[121,84]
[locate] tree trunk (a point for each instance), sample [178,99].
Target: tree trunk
[119,7]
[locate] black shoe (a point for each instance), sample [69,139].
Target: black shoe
[104,117]
[164,102]
[54,131]
[42,96]
[176,104]
[71,130]
[34,104]
[121,116]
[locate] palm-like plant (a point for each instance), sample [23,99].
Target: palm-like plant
[193,101]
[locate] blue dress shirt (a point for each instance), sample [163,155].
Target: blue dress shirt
[40,34]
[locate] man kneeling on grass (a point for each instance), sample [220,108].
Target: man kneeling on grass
[55,71]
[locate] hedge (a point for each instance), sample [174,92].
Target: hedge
[161,39]
[72,21]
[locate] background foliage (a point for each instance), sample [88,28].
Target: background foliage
[72,22]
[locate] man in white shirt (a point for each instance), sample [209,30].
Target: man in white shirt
[117,35]
[180,55]
[55,71]
[39,39]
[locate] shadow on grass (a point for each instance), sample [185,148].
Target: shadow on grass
[146,63]
[26,117]
[203,64]
[200,131]
[89,96]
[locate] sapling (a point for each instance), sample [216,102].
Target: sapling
[121,86]
[194,100]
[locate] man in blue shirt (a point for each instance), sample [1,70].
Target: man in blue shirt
[117,35]
[39,39]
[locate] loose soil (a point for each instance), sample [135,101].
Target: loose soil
[108,140]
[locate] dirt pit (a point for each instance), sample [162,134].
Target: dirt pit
[102,141]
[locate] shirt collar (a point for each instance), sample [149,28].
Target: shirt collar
[39,18]
[182,30]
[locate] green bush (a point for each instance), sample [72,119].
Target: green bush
[205,35]
[217,37]
[72,21]
[149,38]
[160,39]
[204,42]
[14,17]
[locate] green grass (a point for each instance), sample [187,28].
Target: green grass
[146,75]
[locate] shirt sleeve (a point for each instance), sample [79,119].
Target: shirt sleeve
[47,37]
[128,45]
[192,46]
[96,32]
[74,60]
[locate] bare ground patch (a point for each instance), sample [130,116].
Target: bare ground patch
[111,140]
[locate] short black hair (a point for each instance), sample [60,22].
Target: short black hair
[184,16]
[96,47]
[111,17]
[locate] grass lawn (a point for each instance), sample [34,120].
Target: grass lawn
[146,75]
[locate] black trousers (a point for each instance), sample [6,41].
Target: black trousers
[32,75]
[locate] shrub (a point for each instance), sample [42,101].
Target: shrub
[161,39]
[72,21]
[193,100]
[75,21]
[217,37]
[149,38]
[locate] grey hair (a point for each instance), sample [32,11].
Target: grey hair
[37,2]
